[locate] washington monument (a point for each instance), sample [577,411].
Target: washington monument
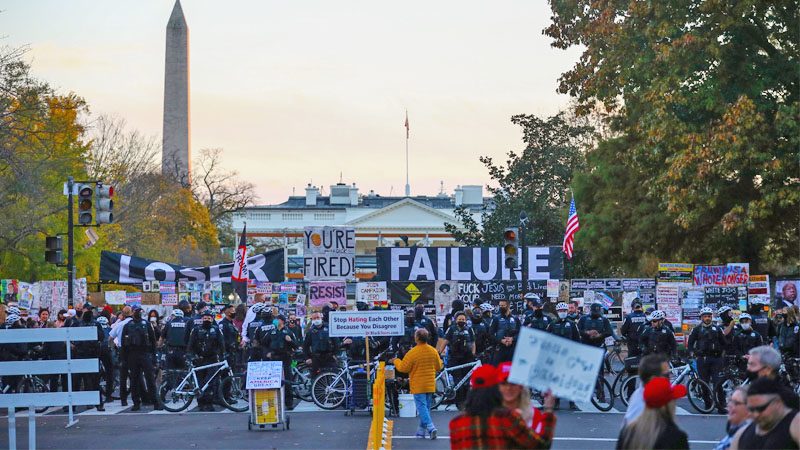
[176,154]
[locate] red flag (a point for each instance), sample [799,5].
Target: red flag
[241,273]
[407,128]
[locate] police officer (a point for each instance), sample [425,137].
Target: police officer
[318,346]
[295,327]
[789,334]
[534,316]
[657,338]
[503,333]
[480,325]
[761,322]
[249,332]
[13,351]
[206,346]
[594,328]
[279,344]
[647,314]
[138,348]
[460,343]
[456,306]
[630,327]
[106,358]
[745,336]
[230,335]
[423,322]
[175,337]
[402,344]
[729,328]
[707,342]
[564,326]
[88,350]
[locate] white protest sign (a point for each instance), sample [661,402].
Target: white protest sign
[372,291]
[115,297]
[329,253]
[553,288]
[264,375]
[545,361]
[366,323]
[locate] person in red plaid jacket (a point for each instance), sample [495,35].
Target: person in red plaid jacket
[486,424]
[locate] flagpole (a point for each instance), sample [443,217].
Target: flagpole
[408,186]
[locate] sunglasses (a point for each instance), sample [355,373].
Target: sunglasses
[760,409]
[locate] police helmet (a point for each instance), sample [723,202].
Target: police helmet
[11,318]
[487,307]
[177,313]
[596,307]
[759,301]
[723,309]
[657,315]
[207,312]
[706,310]
[13,310]
[636,303]
[257,308]
[102,320]
[561,306]
[745,316]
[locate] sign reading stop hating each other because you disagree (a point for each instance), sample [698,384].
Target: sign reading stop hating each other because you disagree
[544,361]
[366,323]
[329,253]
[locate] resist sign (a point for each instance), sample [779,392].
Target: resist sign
[366,323]
[545,361]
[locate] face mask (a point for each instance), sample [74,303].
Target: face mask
[562,315]
[153,319]
[461,324]
[538,313]
[206,324]
[746,326]
[275,322]
[418,313]
[409,321]
[477,319]
[572,315]
[503,310]
[595,315]
[137,316]
[316,322]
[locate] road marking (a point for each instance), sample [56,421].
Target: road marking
[562,439]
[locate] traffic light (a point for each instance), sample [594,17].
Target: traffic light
[85,193]
[511,247]
[105,206]
[53,247]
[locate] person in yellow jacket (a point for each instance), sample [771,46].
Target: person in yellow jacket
[421,364]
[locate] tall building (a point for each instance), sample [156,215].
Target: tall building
[176,153]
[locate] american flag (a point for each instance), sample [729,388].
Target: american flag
[572,227]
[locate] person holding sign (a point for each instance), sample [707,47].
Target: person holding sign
[421,364]
[655,427]
[486,423]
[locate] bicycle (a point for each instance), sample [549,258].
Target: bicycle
[733,375]
[231,390]
[603,395]
[613,362]
[446,387]
[699,392]
[301,380]
[329,389]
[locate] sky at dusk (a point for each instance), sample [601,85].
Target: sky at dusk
[301,91]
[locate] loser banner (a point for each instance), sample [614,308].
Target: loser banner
[545,361]
[329,253]
[128,269]
[366,323]
[463,264]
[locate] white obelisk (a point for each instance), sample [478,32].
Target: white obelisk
[176,156]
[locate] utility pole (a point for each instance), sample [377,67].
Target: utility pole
[70,246]
[523,221]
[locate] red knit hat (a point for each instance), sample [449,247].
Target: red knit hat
[658,392]
[484,376]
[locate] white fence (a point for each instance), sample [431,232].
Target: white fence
[67,366]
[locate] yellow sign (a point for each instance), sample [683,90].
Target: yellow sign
[413,291]
[266,405]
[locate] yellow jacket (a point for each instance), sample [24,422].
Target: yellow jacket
[421,364]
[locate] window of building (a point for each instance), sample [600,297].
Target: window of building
[324,216]
[255,215]
[292,216]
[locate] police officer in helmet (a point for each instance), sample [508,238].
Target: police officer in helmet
[630,329]
[230,335]
[761,323]
[206,346]
[423,322]
[564,326]
[138,349]
[278,343]
[503,332]
[460,343]
[657,338]
[175,337]
[594,328]
[319,346]
[745,337]
[707,343]
[534,314]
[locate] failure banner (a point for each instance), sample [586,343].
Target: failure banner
[366,323]
[126,269]
[463,264]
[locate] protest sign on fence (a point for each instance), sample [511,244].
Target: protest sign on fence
[133,299]
[692,301]
[329,253]
[544,361]
[786,293]
[675,272]
[169,299]
[719,296]
[322,292]
[366,323]
[668,301]
[115,297]
[264,375]
[371,292]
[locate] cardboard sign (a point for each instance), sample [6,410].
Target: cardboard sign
[552,288]
[544,361]
[169,299]
[675,272]
[264,375]
[322,292]
[329,253]
[371,292]
[366,323]
[668,301]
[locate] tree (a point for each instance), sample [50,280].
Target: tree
[537,181]
[705,97]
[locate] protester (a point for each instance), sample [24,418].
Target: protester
[155,321]
[60,318]
[764,362]
[487,424]
[421,364]
[737,416]
[789,334]
[518,398]
[650,366]
[774,426]
[655,427]
[238,317]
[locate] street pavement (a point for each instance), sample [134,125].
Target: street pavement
[310,428]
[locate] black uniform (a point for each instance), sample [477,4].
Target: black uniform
[433,334]
[459,343]
[108,364]
[762,324]
[138,347]
[14,352]
[707,343]
[402,344]
[631,331]
[231,337]
[253,347]
[789,339]
[320,347]
[88,350]
[277,348]
[206,346]
[565,328]
[502,327]
[176,334]
[743,340]
[481,330]
[659,340]
[537,319]
[599,324]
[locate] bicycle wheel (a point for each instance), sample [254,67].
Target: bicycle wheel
[301,382]
[172,400]
[603,398]
[627,388]
[329,390]
[32,385]
[233,394]
[723,389]
[700,395]
[440,394]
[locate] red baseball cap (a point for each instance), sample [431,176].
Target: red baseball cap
[658,392]
[484,376]
[503,371]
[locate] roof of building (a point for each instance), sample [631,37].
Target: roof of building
[372,201]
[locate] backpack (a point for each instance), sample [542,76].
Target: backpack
[137,334]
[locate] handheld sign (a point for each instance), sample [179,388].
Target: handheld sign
[264,375]
[545,361]
[366,323]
